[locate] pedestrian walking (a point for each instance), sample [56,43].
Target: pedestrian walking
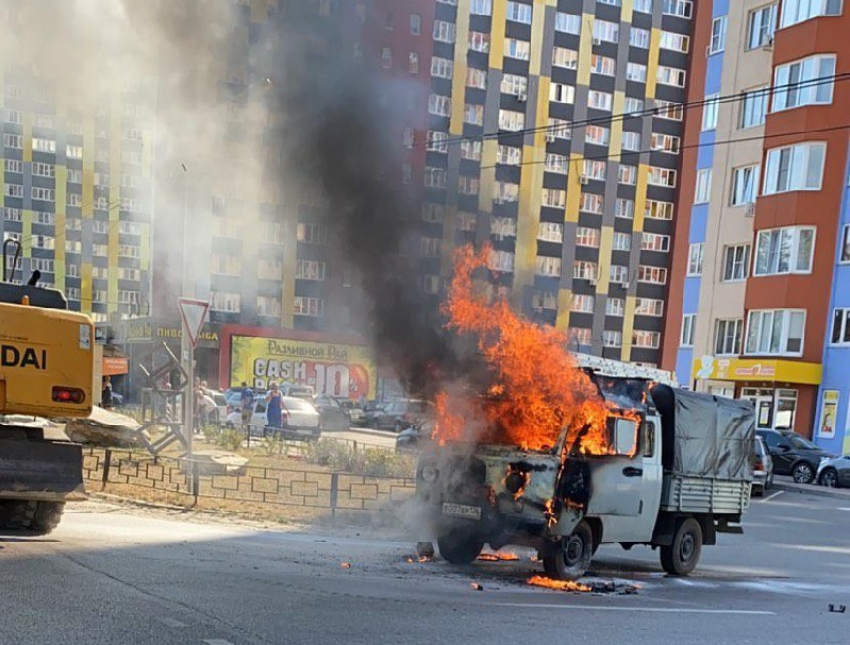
[274,408]
[106,393]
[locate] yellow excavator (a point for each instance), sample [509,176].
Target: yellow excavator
[46,371]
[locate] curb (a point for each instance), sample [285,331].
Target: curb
[817,491]
[367,431]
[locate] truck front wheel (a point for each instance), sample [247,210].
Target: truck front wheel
[459,546]
[570,558]
[681,557]
[35,518]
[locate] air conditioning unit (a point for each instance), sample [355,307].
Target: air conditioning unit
[597,41]
[522,97]
[550,137]
[585,180]
[768,46]
[625,284]
[593,282]
[750,210]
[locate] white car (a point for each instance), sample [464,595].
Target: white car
[300,419]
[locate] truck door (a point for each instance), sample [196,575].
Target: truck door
[624,493]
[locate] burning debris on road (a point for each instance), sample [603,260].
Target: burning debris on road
[587,586]
[499,556]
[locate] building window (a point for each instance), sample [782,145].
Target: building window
[662,177]
[695,258]
[13,141]
[633,106]
[591,203]
[844,251]
[308,233]
[312,307]
[437,141]
[639,38]
[597,135]
[225,302]
[43,194]
[387,57]
[754,107]
[665,143]
[568,23]
[619,274]
[615,307]
[631,141]
[561,93]
[509,155]
[718,35]
[439,105]
[840,327]
[585,270]
[709,112]
[612,338]
[548,232]
[736,262]
[544,300]
[784,250]
[603,65]
[479,42]
[13,190]
[413,63]
[548,266]
[606,31]
[415,24]
[508,119]
[310,270]
[794,11]
[627,175]
[652,275]
[434,177]
[581,303]
[556,163]
[761,25]
[727,337]
[649,307]
[600,100]
[797,167]
[669,110]
[566,58]
[222,264]
[519,49]
[775,332]
[502,261]
[514,85]
[744,185]
[586,236]
[476,78]
[805,82]
[671,76]
[688,324]
[679,8]
[655,242]
[646,339]
[408,138]
[471,149]
[481,7]
[674,42]
[505,192]
[622,241]
[703,186]
[554,198]
[594,169]
[469,185]
[16,165]
[445,32]
[442,67]
[644,6]
[43,145]
[624,208]
[519,12]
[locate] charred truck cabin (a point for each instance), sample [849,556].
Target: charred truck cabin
[676,471]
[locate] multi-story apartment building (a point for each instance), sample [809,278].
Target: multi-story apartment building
[760,293]
[555,136]
[76,187]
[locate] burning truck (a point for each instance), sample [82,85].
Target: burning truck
[563,457]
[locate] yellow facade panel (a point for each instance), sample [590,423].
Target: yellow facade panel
[574,187]
[606,243]
[640,196]
[59,251]
[628,328]
[497,34]
[652,63]
[26,129]
[26,233]
[585,50]
[562,321]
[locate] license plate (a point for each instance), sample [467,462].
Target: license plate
[462,510]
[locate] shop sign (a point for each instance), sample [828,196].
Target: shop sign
[828,414]
[747,369]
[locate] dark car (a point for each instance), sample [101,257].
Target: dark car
[835,473]
[332,416]
[413,438]
[401,414]
[793,455]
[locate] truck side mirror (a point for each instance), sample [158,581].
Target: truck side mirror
[622,436]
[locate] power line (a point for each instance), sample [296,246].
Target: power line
[654,111]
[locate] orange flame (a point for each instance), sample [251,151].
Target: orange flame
[536,388]
[499,556]
[559,585]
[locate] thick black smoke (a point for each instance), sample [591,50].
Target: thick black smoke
[341,130]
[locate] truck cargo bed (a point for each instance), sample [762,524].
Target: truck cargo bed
[703,495]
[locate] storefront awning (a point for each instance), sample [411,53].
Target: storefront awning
[753,369]
[114,365]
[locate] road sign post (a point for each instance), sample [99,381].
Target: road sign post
[193,313]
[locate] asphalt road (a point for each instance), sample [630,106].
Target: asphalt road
[116,575]
[363,437]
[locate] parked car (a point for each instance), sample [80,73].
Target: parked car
[834,472]
[355,411]
[412,438]
[299,392]
[793,455]
[300,419]
[401,414]
[332,415]
[762,468]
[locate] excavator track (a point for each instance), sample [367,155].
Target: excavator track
[29,516]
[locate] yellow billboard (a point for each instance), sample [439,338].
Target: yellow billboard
[329,368]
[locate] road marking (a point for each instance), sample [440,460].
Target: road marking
[171,622]
[772,495]
[657,610]
[843,508]
[216,641]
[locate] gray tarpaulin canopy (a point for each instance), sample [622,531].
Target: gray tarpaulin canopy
[705,435]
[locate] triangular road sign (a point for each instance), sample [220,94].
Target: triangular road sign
[194,314]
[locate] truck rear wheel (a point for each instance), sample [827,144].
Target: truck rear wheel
[570,558]
[681,557]
[36,518]
[459,546]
